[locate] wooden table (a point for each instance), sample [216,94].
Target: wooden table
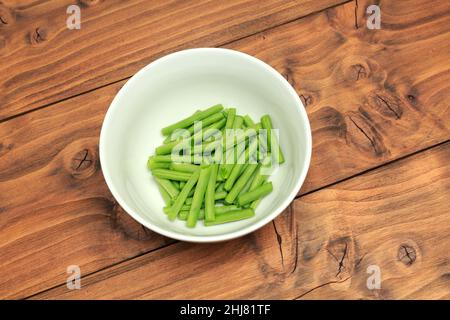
[377,194]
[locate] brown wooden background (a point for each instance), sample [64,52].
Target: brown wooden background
[377,193]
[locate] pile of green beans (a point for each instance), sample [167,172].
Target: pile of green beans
[222,177]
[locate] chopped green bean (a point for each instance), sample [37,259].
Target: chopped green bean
[179,201]
[165,158]
[190,120]
[240,183]
[176,184]
[230,118]
[236,170]
[171,174]
[222,209]
[165,195]
[238,122]
[209,131]
[220,187]
[191,130]
[248,121]
[266,123]
[210,194]
[199,193]
[151,164]
[255,194]
[183,215]
[231,216]
[168,186]
[184,167]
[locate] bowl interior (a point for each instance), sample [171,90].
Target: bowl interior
[174,87]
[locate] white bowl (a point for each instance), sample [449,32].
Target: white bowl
[172,88]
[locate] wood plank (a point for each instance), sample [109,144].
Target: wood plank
[327,239]
[43,61]
[42,175]
[55,208]
[371,95]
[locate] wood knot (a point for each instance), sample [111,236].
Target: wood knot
[38,35]
[407,254]
[306,99]
[387,105]
[341,252]
[362,134]
[83,163]
[359,71]
[6,16]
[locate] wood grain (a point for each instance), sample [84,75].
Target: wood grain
[55,208]
[325,241]
[51,184]
[371,95]
[42,61]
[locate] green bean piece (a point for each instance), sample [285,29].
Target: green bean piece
[210,194]
[159,158]
[209,131]
[243,159]
[199,194]
[171,174]
[179,201]
[250,181]
[165,195]
[176,134]
[190,120]
[167,148]
[238,122]
[168,186]
[183,208]
[255,203]
[230,118]
[182,183]
[266,123]
[220,195]
[183,214]
[184,167]
[240,183]
[248,121]
[176,184]
[151,164]
[258,180]
[223,209]
[255,194]
[206,122]
[231,216]
[220,186]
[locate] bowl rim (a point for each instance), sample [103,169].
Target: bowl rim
[206,238]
